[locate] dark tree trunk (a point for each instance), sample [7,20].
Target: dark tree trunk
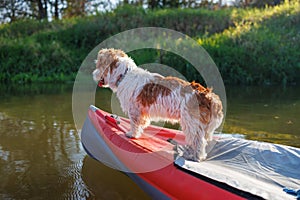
[56,11]
[41,9]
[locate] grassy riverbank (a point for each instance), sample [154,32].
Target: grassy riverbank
[250,46]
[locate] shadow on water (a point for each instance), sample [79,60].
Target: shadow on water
[102,186]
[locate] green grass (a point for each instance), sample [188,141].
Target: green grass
[262,48]
[250,46]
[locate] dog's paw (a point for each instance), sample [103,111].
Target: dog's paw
[189,154]
[201,157]
[131,135]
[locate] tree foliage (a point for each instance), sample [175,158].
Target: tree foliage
[13,10]
[249,46]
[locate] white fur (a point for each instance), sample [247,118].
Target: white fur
[174,107]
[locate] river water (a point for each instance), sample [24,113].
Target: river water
[41,156]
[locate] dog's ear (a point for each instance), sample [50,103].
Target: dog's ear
[117,70]
[96,75]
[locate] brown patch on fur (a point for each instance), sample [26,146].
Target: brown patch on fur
[107,60]
[164,86]
[150,92]
[199,87]
[161,87]
[204,101]
[113,65]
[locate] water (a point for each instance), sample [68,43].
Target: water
[41,156]
[270,114]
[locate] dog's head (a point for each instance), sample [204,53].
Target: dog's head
[111,65]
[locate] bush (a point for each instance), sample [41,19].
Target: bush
[250,46]
[263,48]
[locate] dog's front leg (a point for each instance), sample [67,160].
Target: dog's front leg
[137,123]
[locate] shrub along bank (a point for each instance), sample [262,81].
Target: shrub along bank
[250,46]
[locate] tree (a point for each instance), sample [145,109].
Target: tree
[152,4]
[12,10]
[96,6]
[256,3]
[56,8]
[42,9]
[75,8]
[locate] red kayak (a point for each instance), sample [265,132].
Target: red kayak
[152,163]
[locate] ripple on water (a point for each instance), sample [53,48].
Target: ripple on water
[77,187]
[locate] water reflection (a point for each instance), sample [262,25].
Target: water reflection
[41,156]
[40,153]
[266,114]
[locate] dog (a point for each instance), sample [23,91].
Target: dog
[147,97]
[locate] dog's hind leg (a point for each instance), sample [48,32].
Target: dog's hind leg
[195,149]
[195,139]
[216,117]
